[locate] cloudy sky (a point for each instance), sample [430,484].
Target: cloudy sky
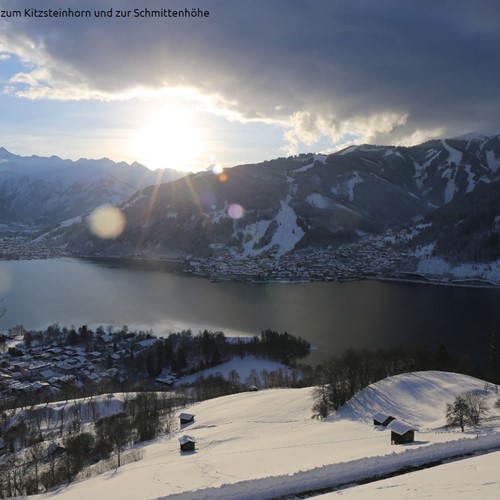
[255,80]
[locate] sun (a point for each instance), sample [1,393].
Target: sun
[169,139]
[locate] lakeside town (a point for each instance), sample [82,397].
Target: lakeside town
[369,257]
[61,363]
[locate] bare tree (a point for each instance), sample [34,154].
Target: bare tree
[61,417]
[476,407]
[36,454]
[468,409]
[76,420]
[114,431]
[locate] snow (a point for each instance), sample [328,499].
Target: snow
[370,161]
[70,222]
[320,157]
[472,136]
[317,157]
[187,439]
[472,478]
[454,155]
[421,168]
[339,474]
[435,266]
[347,187]
[351,184]
[492,160]
[348,150]
[424,251]
[400,427]
[67,223]
[133,200]
[288,233]
[317,200]
[264,444]
[381,417]
[450,190]
[305,167]
[242,366]
[257,231]
[220,214]
[470,179]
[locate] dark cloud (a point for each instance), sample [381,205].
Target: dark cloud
[388,70]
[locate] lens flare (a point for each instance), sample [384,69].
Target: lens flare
[216,168]
[235,211]
[223,177]
[107,222]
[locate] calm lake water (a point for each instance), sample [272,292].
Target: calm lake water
[332,316]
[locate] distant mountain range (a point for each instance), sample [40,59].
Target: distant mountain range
[37,191]
[444,193]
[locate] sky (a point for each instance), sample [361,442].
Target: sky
[253,80]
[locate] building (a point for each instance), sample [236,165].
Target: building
[186,418]
[187,443]
[401,432]
[382,419]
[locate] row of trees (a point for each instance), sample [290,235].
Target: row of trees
[180,352]
[341,377]
[216,385]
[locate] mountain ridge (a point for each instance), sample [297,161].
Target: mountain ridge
[37,190]
[364,203]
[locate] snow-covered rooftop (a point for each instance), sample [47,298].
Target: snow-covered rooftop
[400,427]
[264,444]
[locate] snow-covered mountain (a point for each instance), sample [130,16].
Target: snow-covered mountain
[265,445]
[39,191]
[302,202]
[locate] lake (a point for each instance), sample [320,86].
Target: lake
[332,316]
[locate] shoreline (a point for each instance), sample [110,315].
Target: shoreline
[178,266]
[420,279]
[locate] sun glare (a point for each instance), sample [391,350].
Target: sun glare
[169,140]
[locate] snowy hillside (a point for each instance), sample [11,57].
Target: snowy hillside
[263,444]
[313,208]
[36,190]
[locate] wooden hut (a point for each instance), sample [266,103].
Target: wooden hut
[186,418]
[382,419]
[401,432]
[187,443]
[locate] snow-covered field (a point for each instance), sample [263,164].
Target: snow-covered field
[243,367]
[263,444]
[475,478]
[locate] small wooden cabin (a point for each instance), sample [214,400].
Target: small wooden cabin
[401,432]
[187,443]
[186,418]
[382,419]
